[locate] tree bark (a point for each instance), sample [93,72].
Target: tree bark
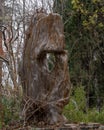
[1,49]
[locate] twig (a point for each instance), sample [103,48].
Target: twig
[4,59]
[4,38]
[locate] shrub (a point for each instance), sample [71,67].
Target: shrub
[75,111]
[10,110]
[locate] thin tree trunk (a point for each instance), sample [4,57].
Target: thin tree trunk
[1,49]
[24,1]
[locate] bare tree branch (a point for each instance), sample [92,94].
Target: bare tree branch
[4,59]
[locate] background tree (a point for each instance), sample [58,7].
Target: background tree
[1,48]
[84,29]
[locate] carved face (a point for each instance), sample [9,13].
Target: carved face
[45,57]
[45,68]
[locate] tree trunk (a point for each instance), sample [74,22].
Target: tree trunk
[1,50]
[1,53]
[45,74]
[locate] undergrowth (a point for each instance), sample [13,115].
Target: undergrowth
[9,110]
[76,111]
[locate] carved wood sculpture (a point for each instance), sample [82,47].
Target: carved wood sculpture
[45,75]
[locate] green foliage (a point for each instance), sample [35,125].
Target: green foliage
[84,33]
[9,111]
[79,97]
[95,116]
[78,100]
[76,111]
[9,107]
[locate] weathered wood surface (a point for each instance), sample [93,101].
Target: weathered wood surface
[81,126]
[44,72]
[95,126]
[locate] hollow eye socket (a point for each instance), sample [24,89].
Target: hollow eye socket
[51,61]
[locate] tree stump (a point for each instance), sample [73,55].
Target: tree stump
[44,70]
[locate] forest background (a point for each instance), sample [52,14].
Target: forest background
[84,33]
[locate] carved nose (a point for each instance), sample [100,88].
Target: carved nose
[62,38]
